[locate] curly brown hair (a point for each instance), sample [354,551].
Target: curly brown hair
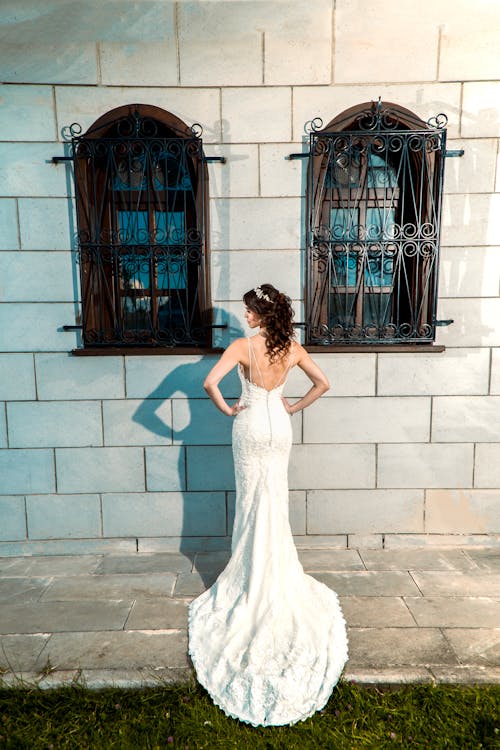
[276,313]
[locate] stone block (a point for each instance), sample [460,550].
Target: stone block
[239,176]
[298,44]
[364,511]
[47,223]
[197,422]
[475,645]
[495,371]
[192,584]
[12,518]
[466,419]
[425,465]
[3,426]
[165,468]
[37,424]
[37,326]
[471,219]
[37,277]
[234,273]
[60,616]
[240,123]
[134,422]
[476,322]
[121,586]
[63,376]
[256,224]
[320,467]
[485,559]
[419,559]
[432,541]
[462,511]
[469,272]
[89,470]
[69,547]
[85,104]
[365,541]
[487,465]
[369,583]
[9,229]
[209,467]
[455,371]
[425,100]
[27,170]
[362,41]
[49,63]
[330,559]
[444,583]
[366,612]
[27,114]
[474,172]
[151,63]
[175,376]
[279,175]
[158,614]
[17,377]
[367,420]
[454,612]
[63,516]
[21,591]
[469,48]
[27,471]
[349,375]
[174,562]
[19,652]
[219,45]
[164,514]
[49,565]
[389,647]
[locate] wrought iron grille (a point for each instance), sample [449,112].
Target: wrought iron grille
[141,207]
[374,213]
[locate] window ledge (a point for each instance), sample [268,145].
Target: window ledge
[387,348]
[134,351]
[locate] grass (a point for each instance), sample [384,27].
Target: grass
[430,717]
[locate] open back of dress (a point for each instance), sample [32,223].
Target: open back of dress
[268,641]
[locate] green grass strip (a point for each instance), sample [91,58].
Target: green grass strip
[183,717]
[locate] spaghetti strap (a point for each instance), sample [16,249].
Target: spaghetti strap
[257,365]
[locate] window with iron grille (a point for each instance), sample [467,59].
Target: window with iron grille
[141,197]
[374,211]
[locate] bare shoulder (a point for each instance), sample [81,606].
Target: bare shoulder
[299,354]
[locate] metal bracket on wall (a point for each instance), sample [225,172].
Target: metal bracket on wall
[57,159]
[302,155]
[447,322]
[455,152]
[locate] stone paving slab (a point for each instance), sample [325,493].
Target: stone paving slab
[192,584]
[130,649]
[211,561]
[330,559]
[366,612]
[49,565]
[466,674]
[60,617]
[21,590]
[20,652]
[480,583]
[456,611]
[161,562]
[113,586]
[395,647]
[417,559]
[369,583]
[486,558]
[158,613]
[475,645]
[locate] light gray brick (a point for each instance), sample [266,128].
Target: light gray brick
[466,419]
[425,465]
[165,468]
[487,465]
[3,426]
[495,371]
[63,516]
[37,327]
[27,471]
[37,277]
[324,467]
[239,123]
[134,422]
[197,422]
[9,236]
[47,223]
[462,511]
[100,470]
[250,224]
[12,518]
[27,114]
[55,62]
[209,467]
[174,376]
[64,376]
[364,511]
[38,424]
[234,273]
[17,377]
[26,171]
[164,514]
[482,278]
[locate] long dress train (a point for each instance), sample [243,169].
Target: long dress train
[268,642]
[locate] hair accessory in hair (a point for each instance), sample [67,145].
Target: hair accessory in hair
[261,295]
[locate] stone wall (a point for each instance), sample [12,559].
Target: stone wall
[126,452]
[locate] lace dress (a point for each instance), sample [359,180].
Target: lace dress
[268,641]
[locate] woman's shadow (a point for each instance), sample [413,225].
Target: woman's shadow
[198,466]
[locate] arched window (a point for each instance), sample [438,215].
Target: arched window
[141,196]
[374,209]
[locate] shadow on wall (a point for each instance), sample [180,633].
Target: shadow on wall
[204,473]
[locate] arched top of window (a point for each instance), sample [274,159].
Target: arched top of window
[142,120]
[373,116]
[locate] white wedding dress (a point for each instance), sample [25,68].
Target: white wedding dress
[268,641]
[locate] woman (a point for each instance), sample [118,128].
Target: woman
[268,642]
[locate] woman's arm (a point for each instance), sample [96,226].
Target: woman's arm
[228,360]
[316,376]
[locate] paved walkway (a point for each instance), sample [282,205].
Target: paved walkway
[414,615]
